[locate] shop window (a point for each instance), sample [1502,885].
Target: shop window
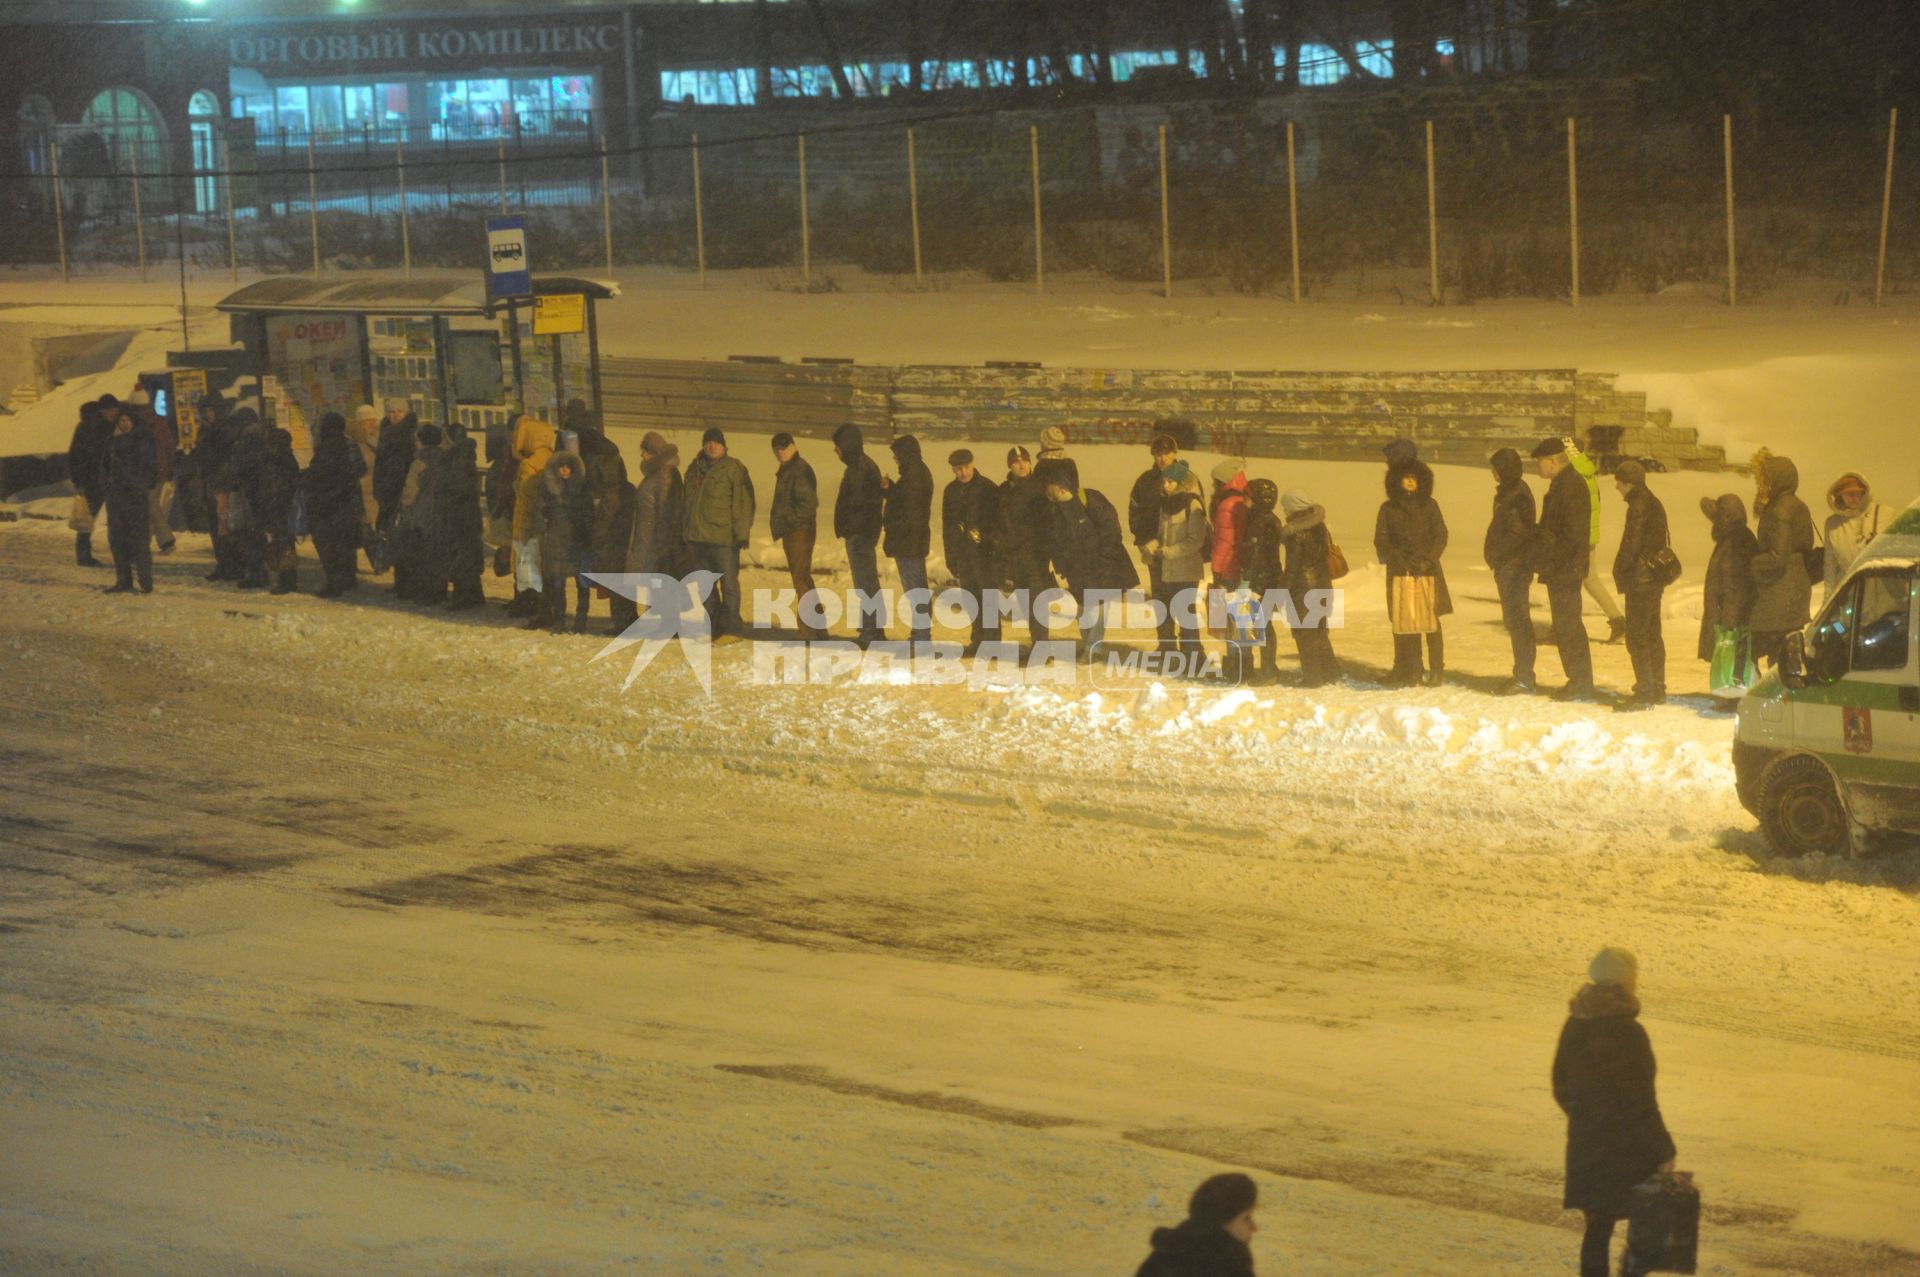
[356,107]
[1125,64]
[290,108]
[709,88]
[328,113]
[1319,64]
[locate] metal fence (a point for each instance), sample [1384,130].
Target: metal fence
[1511,190]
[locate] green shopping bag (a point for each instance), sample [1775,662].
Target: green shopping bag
[1733,670]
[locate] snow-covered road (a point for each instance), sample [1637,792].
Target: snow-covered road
[338,937]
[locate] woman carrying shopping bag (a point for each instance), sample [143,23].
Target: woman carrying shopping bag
[1410,535]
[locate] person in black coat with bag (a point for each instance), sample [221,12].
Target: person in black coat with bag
[1508,550]
[1603,1073]
[1727,602]
[1636,576]
[858,513]
[1410,535]
[131,473]
[87,470]
[1214,1240]
[335,508]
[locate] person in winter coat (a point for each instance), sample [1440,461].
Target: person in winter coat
[556,527]
[1645,535]
[130,475]
[166,443]
[1227,514]
[1727,602]
[656,545]
[604,493]
[1603,1080]
[279,484]
[1176,555]
[1595,585]
[1215,1239]
[336,511]
[1508,550]
[87,469]
[363,432]
[1856,520]
[418,574]
[968,515]
[718,521]
[1143,523]
[1020,538]
[246,474]
[1560,555]
[794,520]
[392,458]
[906,519]
[455,538]
[1409,535]
[214,457]
[533,441]
[1783,595]
[858,515]
[1085,546]
[1309,547]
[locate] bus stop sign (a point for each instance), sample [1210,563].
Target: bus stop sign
[509,271]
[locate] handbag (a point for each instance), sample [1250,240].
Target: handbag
[1336,561]
[1663,1224]
[1413,605]
[80,517]
[1662,567]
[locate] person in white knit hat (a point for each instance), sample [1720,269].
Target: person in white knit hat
[1603,1075]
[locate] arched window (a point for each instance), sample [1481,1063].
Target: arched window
[126,119]
[203,125]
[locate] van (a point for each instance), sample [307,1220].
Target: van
[1827,753]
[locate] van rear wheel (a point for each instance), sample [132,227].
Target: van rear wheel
[1800,810]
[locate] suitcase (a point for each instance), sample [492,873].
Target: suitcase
[1663,1228]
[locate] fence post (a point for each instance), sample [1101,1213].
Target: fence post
[1433,226]
[500,152]
[806,231]
[1733,270]
[1573,208]
[313,203]
[1166,232]
[406,228]
[233,242]
[699,216]
[1039,226]
[913,204]
[139,223]
[59,212]
[606,204]
[1293,214]
[1886,208]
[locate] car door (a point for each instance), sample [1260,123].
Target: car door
[1866,721]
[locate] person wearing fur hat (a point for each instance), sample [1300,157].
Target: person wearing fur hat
[1309,568]
[1215,1239]
[1856,520]
[1561,553]
[656,545]
[1603,1080]
[1020,536]
[556,526]
[967,517]
[1783,586]
[859,512]
[1645,536]
[906,520]
[1177,558]
[1508,551]
[1726,604]
[1143,521]
[717,521]
[1410,535]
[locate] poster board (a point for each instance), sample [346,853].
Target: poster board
[555,313]
[315,361]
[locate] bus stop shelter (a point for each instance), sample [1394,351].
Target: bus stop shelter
[434,340]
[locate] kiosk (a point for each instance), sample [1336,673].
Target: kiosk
[328,345]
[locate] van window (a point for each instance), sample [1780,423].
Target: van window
[1882,636]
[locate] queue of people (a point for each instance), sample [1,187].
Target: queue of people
[555,503]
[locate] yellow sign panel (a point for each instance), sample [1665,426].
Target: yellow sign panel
[189,388]
[559,313]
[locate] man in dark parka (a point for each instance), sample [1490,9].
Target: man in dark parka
[130,475]
[392,458]
[1508,550]
[336,508]
[1645,535]
[1561,555]
[87,469]
[459,521]
[1603,1080]
[858,513]
[968,514]
[907,521]
[1020,537]
[794,520]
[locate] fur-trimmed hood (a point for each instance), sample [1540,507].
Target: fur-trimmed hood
[1866,494]
[553,479]
[1600,1001]
[1423,475]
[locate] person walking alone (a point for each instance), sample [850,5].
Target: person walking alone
[1603,1080]
[1508,550]
[793,519]
[1636,576]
